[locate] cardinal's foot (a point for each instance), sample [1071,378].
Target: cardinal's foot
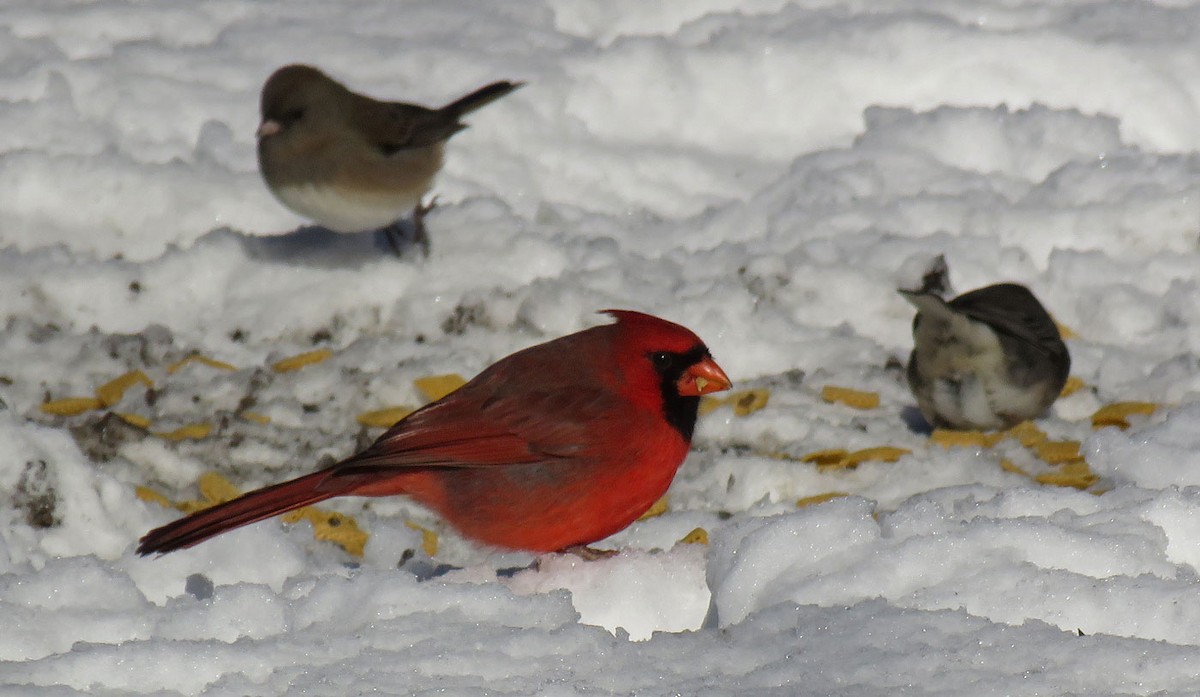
[590,553]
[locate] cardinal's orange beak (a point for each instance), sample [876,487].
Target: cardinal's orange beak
[702,378]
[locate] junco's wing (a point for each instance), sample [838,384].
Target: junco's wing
[393,127]
[1012,309]
[396,126]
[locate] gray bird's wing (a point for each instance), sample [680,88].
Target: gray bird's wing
[1012,309]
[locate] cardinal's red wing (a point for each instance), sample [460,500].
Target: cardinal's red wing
[533,426]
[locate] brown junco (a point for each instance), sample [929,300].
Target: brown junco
[351,163]
[988,359]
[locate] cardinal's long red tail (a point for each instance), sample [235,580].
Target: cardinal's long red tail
[249,508]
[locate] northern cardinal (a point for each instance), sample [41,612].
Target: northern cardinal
[349,162]
[988,359]
[551,448]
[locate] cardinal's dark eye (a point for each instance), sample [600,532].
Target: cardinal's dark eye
[662,360]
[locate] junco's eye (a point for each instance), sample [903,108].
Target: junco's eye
[293,115]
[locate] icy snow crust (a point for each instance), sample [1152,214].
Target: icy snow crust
[765,173]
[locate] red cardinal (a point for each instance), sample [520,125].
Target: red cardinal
[553,447]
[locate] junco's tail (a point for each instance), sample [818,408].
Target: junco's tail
[480,97]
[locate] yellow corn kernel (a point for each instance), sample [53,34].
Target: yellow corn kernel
[851,398]
[1075,473]
[824,458]
[383,418]
[134,419]
[256,417]
[429,538]
[189,432]
[948,438]
[777,455]
[215,488]
[147,494]
[709,404]
[1009,466]
[71,406]
[839,465]
[331,526]
[1065,332]
[1117,413]
[882,453]
[747,402]
[1027,433]
[111,392]
[1071,386]
[699,536]
[301,360]
[1056,452]
[202,360]
[820,498]
[434,387]
[659,507]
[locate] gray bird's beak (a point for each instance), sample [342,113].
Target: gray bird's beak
[926,302]
[910,295]
[268,128]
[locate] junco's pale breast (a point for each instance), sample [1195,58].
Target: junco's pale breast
[988,359]
[349,162]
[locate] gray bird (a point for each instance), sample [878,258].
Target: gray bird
[988,359]
[349,162]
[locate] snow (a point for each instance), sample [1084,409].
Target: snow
[764,172]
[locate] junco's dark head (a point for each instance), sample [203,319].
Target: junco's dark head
[295,92]
[988,359]
[349,162]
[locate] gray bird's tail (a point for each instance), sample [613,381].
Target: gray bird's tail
[479,98]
